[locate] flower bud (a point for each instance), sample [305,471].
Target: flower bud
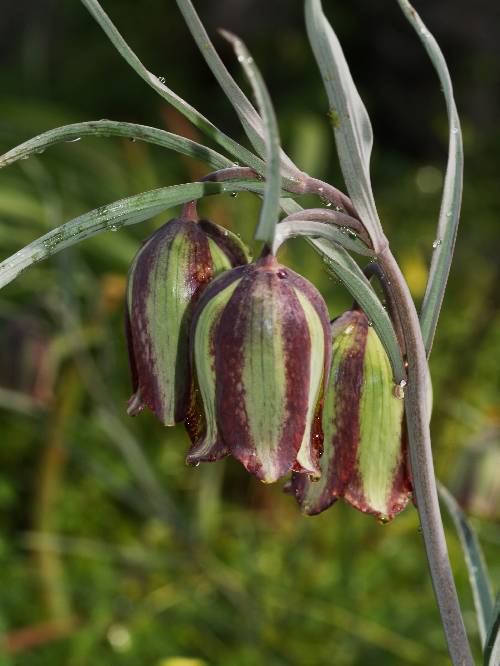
[364,458]
[261,345]
[165,279]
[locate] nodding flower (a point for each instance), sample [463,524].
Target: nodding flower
[261,346]
[364,459]
[166,278]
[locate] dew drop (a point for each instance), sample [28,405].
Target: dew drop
[449,213]
[161,79]
[328,204]
[78,138]
[436,243]
[25,157]
[399,390]
[241,58]
[282,274]
[454,130]
[132,139]
[234,194]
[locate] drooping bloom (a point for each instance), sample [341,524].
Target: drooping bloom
[364,458]
[261,347]
[166,277]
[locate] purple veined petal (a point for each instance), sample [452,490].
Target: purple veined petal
[269,376]
[364,459]
[166,278]
[201,424]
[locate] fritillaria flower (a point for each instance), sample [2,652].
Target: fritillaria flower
[261,347]
[166,278]
[364,458]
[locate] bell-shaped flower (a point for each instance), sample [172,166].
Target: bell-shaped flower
[261,346]
[364,458]
[166,278]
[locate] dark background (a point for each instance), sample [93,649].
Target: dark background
[111,550]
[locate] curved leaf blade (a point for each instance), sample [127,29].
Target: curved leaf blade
[492,645]
[343,266]
[111,217]
[232,147]
[107,128]
[348,272]
[474,559]
[292,228]
[348,115]
[249,118]
[452,191]
[269,211]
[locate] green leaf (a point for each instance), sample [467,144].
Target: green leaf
[348,116]
[250,119]
[111,217]
[269,212]
[492,645]
[452,191]
[243,155]
[343,266]
[38,144]
[291,228]
[476,566]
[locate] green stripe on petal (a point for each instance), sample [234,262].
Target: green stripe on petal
[221,261]
[263,367]
[166,306]
[379,450]
[305,456]
[204,361]
[335,464]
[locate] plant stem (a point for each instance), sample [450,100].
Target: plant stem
[374,269]
[417,418]
[424,481]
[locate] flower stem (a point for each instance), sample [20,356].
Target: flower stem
[424,481]
[417,418]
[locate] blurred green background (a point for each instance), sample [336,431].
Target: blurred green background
[112,551]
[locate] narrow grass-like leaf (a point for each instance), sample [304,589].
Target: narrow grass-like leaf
[250,119]
[492,645]
[348,116]
[292,228]
[269,212]
[452,191]
[340,262]
[158,137]
[240,153]
[343,266]
[111,217]
[476,566]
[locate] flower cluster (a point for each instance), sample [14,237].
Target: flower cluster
[244,354]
